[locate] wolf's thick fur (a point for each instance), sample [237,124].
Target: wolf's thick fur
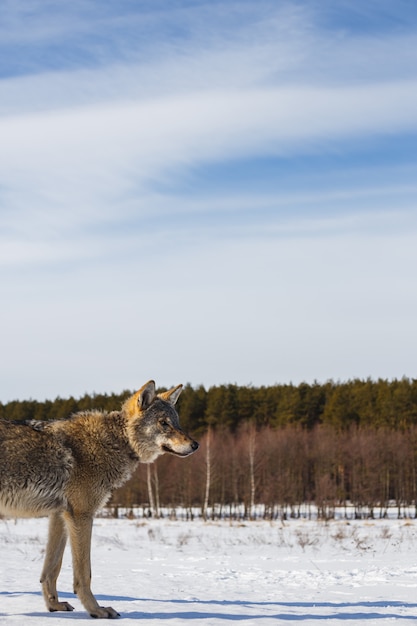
[67,469]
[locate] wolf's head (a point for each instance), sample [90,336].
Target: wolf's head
[153,424]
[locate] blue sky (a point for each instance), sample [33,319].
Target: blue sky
[206,192]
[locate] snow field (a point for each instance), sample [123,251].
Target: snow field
[175,572]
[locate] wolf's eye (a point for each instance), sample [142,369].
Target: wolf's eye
[164,423]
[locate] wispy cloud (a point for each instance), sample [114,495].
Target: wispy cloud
[82,161]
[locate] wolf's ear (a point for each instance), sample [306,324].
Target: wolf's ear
[172,395]
[146,394]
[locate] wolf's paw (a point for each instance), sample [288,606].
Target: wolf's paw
[60,606]
[105,611]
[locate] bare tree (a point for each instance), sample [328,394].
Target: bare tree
[252,450]
[208,473]
[156,483]
[153,500]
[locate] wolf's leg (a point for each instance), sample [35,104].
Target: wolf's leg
[57,539]
[80,528]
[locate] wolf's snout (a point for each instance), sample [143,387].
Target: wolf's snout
[195,445]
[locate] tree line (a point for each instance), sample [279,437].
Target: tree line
[380,403]
[274,451]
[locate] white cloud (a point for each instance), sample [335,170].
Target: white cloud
[94,150]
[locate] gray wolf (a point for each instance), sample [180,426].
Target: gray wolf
[67,470]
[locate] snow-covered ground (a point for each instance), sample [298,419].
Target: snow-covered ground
[167,572]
